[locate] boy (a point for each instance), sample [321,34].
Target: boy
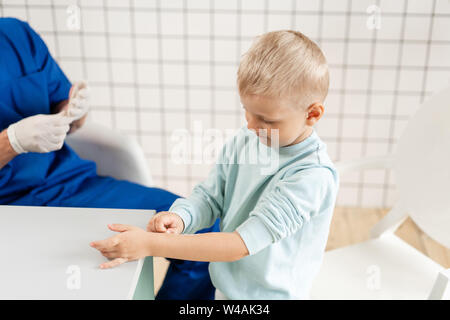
[274,227]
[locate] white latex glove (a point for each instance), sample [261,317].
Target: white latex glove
[78,101]
[41,133]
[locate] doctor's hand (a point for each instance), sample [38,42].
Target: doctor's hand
[77,124]
[78,105]
[166,222]
[41,133]
[130,244]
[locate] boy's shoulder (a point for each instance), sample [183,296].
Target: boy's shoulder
[314,160]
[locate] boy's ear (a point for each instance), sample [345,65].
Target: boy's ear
[314,113]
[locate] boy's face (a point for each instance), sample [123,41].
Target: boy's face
[293,122]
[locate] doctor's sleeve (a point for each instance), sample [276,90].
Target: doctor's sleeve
[282,212]
[57,82]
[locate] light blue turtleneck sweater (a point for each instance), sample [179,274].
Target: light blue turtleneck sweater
[281,208]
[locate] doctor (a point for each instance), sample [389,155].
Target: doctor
[38,108]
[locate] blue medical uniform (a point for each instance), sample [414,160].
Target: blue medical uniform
[32,83]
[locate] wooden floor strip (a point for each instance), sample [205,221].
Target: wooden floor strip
[352,225]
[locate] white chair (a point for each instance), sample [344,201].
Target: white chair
[386,267]
[115,154]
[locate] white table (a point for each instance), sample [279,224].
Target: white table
[45,254]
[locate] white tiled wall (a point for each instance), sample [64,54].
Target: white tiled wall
[155,66]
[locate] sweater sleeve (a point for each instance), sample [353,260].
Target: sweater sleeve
[205,204]
[294,201]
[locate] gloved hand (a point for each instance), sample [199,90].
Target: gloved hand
[41,133]
[78,104]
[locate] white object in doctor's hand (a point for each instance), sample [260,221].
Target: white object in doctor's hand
[78,104]
[46,133]
[40,133]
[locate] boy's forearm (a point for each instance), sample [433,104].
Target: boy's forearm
[212,246]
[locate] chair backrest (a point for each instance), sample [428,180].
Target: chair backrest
[421,167]
[115,154]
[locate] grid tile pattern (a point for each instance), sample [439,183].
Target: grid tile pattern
[155,66]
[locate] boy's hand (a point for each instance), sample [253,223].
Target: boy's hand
[130,244]
[166,222]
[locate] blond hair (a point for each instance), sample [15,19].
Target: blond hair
[284,63]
